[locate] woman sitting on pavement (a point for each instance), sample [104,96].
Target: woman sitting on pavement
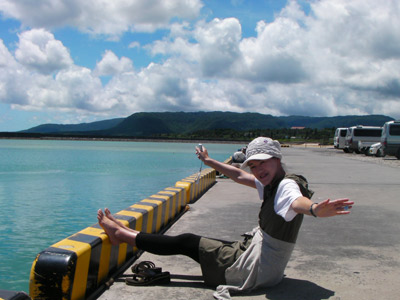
[259,260]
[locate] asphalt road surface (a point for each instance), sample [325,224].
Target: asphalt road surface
[347,257]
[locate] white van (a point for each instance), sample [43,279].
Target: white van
[391,138]
[339,138]
[361,135]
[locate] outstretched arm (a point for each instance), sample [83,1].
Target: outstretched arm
[232,172]
[326,208]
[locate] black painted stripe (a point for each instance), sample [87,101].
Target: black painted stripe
[172,199]
[113,259]
[131,220]
[156,209]
[182,195]
[95,243]
[163,208]
[142,211]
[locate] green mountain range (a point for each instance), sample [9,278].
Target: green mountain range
[171,123]
[83,127]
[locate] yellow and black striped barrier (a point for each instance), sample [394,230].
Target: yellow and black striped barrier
[196,185]
[80,265]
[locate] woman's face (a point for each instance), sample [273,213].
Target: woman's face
[265,170]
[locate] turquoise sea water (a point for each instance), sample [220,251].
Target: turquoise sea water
[49,189]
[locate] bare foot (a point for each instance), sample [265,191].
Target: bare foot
[116,233]
[111,217]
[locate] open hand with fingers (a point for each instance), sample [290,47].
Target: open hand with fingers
[330,208]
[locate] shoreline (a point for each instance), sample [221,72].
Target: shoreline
[115,139]
[156,140]
[18,136]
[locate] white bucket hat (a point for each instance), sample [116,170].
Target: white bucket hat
[262,148]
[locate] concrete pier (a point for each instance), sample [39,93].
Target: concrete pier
[347,257]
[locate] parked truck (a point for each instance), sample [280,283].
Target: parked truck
[361,136]
[391,138]
[339,138]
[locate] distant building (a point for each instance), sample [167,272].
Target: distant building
[297,127]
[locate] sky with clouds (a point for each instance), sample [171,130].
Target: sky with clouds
[73,61]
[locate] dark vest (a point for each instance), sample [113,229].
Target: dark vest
[275,225]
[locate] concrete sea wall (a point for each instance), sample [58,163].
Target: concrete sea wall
[83,264]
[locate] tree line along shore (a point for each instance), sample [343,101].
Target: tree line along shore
[284,135]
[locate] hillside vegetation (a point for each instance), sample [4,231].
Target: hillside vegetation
[211,125]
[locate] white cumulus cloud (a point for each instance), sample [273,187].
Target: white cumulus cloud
[112,65]
[219,43]
[100,17]
[38,50]
[336,57]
